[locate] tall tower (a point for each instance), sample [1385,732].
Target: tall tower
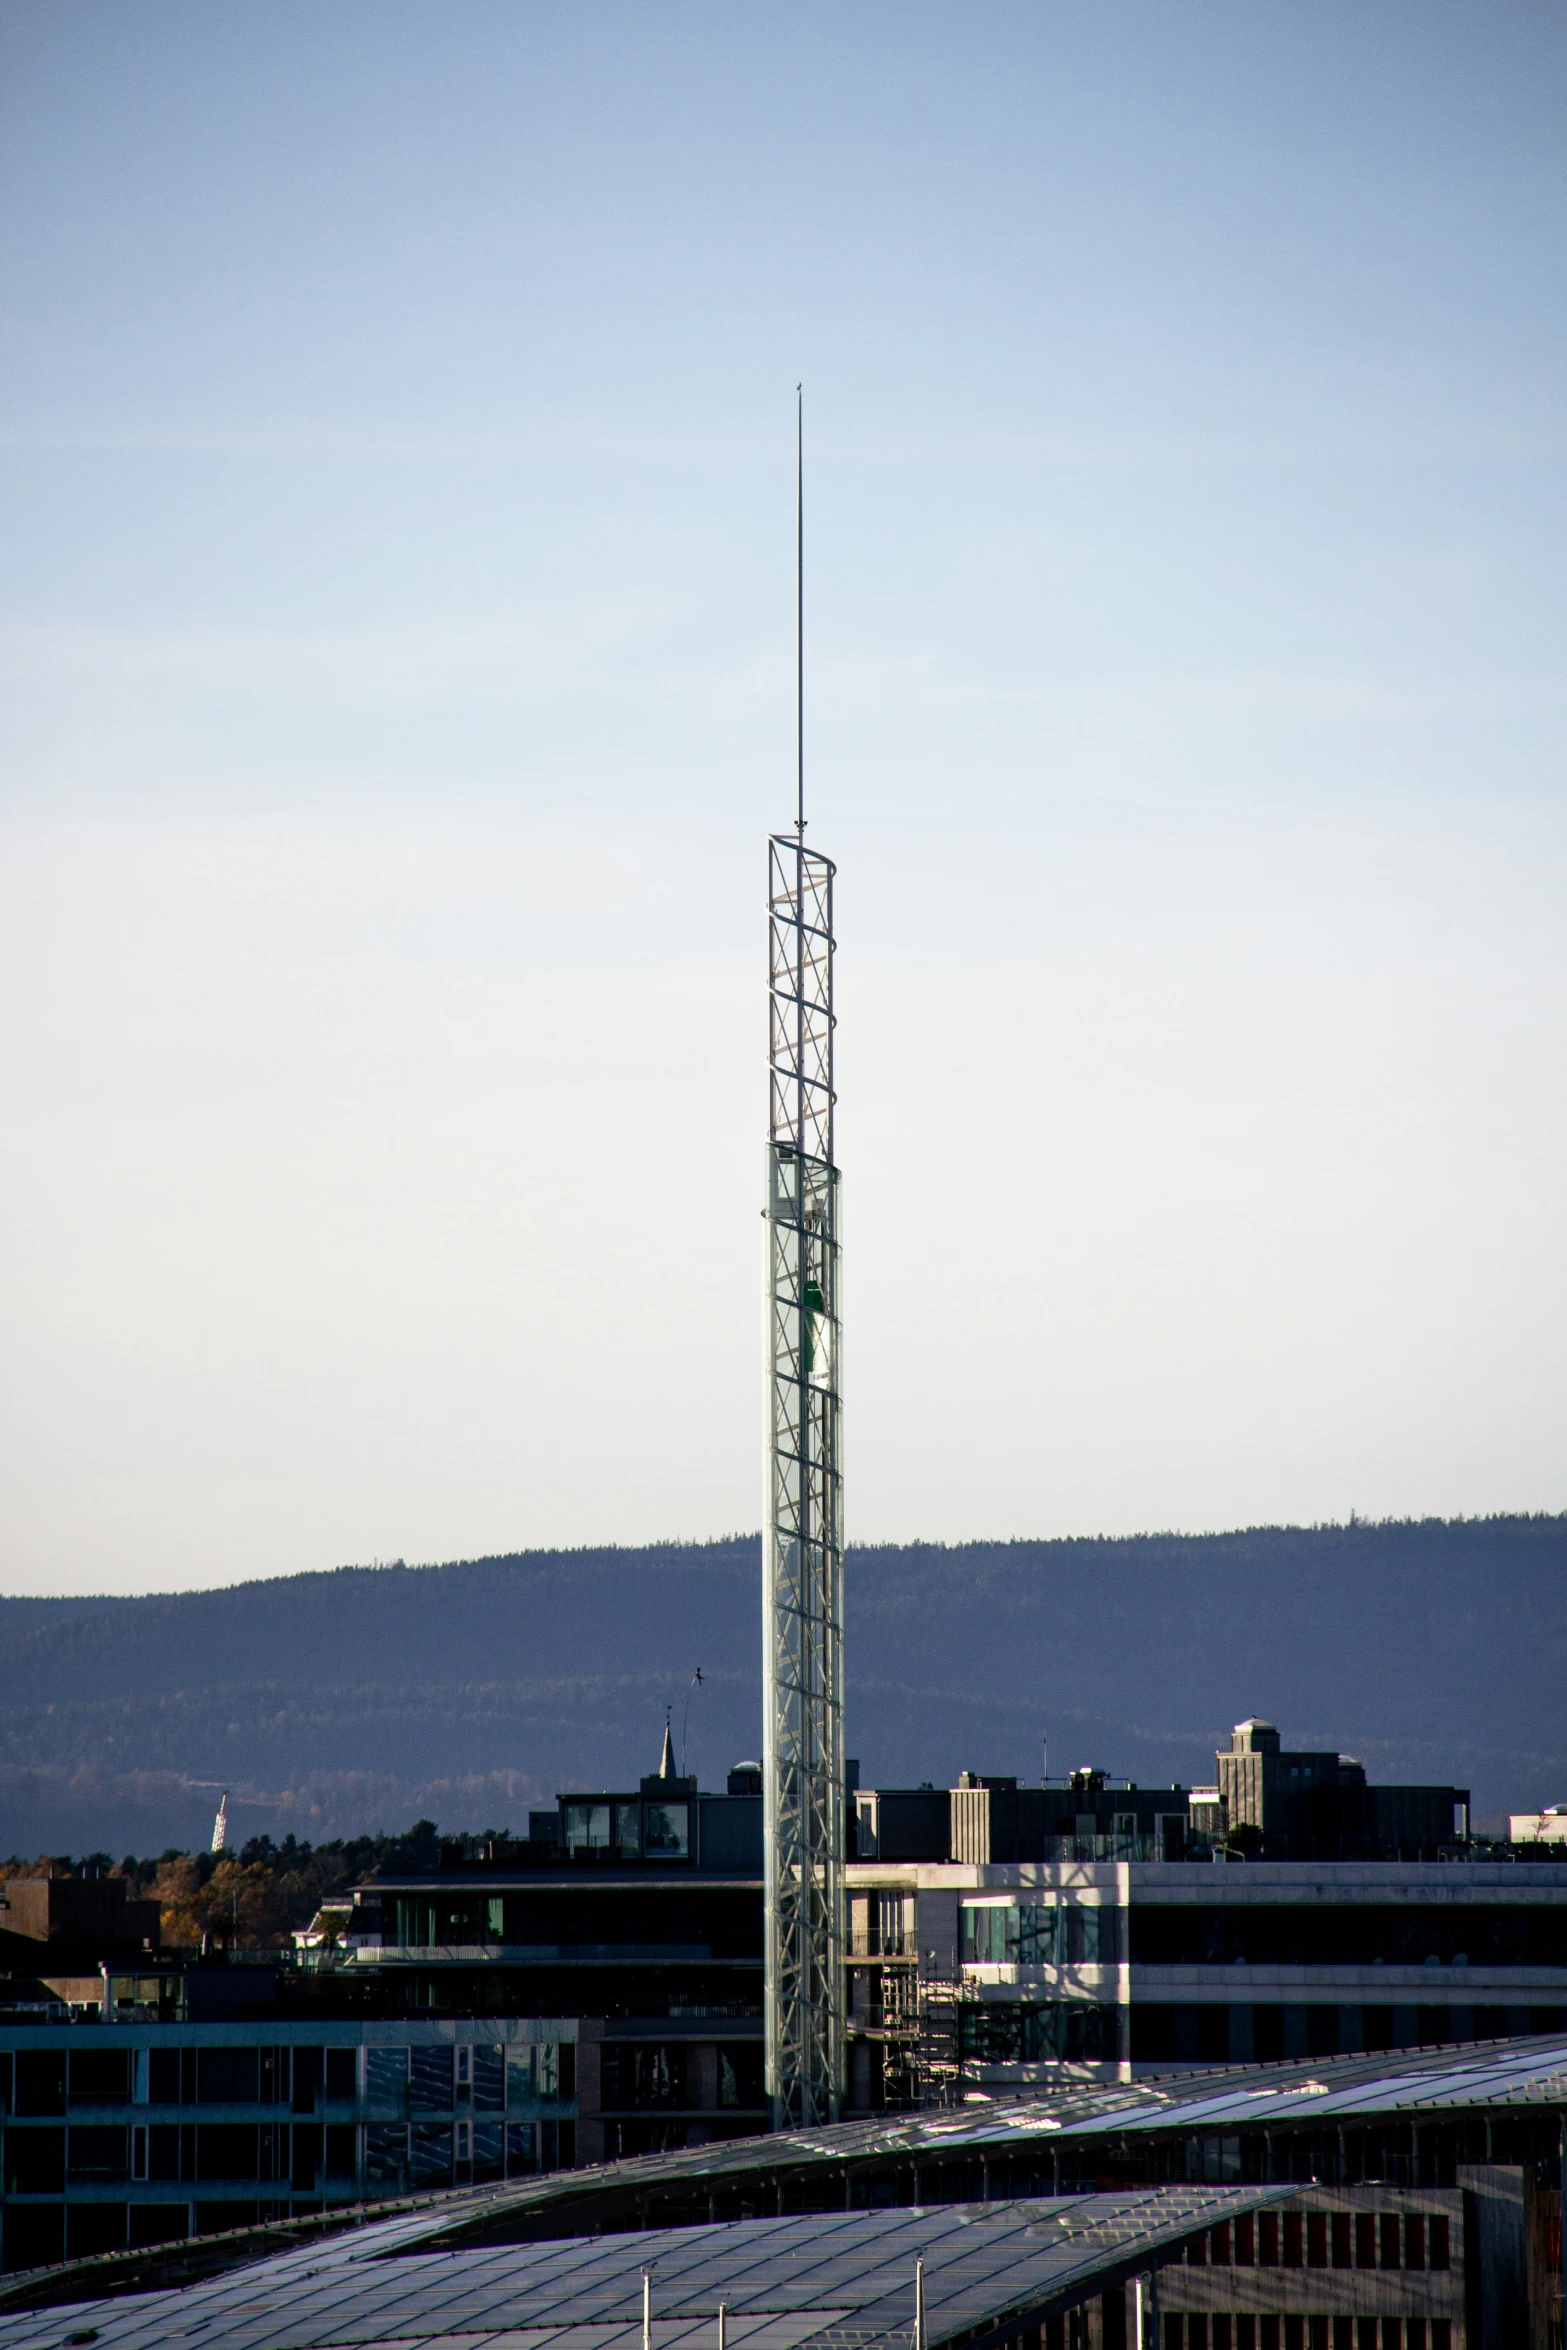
[803,1565]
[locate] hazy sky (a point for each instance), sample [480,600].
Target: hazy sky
[396,439]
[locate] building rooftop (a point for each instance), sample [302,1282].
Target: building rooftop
[843,2281]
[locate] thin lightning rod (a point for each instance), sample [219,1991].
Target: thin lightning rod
[799,609]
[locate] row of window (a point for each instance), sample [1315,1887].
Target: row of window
[1194,2331]
[627,1831]
[45,2161]
[1036,2032]
[1038,1933]
[725,1919]
[1273,2031]
[303,2156]
[432,2078]
[1043,1933]
[427,2154]
[1327,2239]
[647,2076]
[1346,1934]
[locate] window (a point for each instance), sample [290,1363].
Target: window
[587,1828]
[341,2068]
[1034,1933]
[100,2076]
[40,2080]
[489,2080]
[665,1830]
[430,2079]
[226,2150]
[644,2076]
[34,2163]
[522,2079]
[1074,2031]
[386,2078]
[489,2151]
[386,2154]
[628,1830]
[98,2153]
[521,2148]
[227,2076]
[430,2154]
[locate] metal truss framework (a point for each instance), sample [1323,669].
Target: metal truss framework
[803,1606]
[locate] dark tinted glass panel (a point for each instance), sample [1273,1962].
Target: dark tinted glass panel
[100,2076]
[430,2079]
[227,2076]
[40,2080]
[342,2066]
[98,2153]
[157,2223]
[92,2228]
[226,2150]
[34,2164]
[386,2077]
[489,2079]
[386,2155]
[430,2154]
[163,2076]
[309,2071]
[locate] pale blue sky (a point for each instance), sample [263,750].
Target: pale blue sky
[396,464]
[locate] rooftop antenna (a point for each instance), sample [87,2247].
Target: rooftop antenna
[685,1718]
[799,610]
[802,1769]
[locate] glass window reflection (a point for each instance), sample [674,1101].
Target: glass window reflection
[666,1830]
[587,1827]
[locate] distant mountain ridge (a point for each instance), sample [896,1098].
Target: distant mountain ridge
[360,1697]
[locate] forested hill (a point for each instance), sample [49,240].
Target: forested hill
[339,1702]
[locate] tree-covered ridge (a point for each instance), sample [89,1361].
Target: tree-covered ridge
[340,1705]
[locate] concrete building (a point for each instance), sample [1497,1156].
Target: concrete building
[995,1979]
[1539,1827]
[1308,1806]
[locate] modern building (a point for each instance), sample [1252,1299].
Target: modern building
[56,1932]
[1308,1806]
[590,1991]
[1539,1827]
[1084,1927]
[131,2134]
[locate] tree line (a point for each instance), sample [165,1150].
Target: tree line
[253,1898]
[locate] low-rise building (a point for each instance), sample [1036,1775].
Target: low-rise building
[127,2134]
[1539,1827]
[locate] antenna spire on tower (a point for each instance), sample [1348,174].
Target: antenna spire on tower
[799,608]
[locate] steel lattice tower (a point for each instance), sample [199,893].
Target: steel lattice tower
[803,1567]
